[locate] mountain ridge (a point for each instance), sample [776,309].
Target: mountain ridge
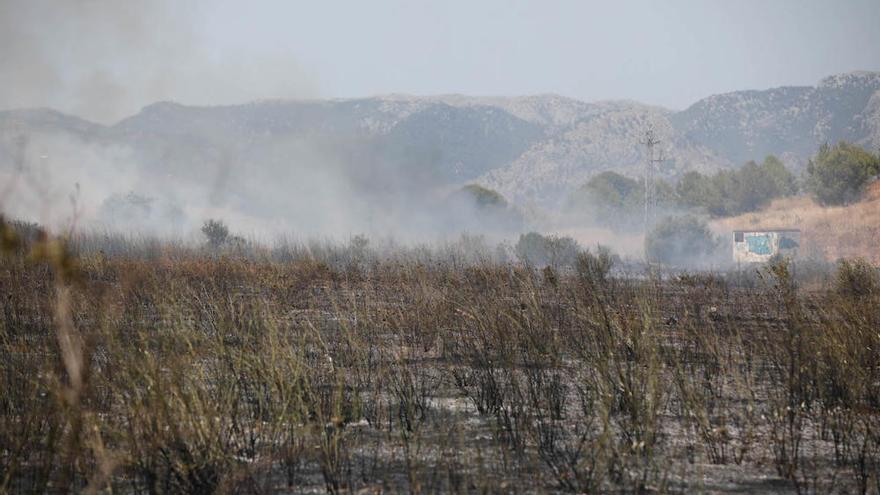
[534,149]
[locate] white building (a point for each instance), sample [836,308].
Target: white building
[759,245]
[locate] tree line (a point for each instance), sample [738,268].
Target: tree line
[836,175]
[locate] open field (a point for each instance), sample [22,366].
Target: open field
[185,370]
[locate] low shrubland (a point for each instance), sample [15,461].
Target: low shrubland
[165,368]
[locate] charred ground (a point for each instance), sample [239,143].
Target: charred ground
[179,369]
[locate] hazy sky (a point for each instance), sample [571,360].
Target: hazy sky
[664,52]
[106,58]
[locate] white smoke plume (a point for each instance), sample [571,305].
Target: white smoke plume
[105,59]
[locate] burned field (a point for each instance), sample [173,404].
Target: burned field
[194,372]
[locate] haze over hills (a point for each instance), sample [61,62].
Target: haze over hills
[392,151]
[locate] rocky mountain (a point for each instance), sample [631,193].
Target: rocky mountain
[791,120]
[532,149]
[719,131]
[608,140]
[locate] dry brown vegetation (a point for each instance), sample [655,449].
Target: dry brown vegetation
[829,233]
[171,369]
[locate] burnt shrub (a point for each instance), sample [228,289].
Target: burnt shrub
[856,279]
[216,231]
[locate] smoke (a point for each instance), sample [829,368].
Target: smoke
[287,185]
[106,59]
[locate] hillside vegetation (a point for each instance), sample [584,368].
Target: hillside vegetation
[829,233]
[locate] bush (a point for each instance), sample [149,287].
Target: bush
[614,192]
[216,231]
[838,174]
[475,207]
[539,250]
[681,240]
[18,235]
[483,197]
[616,201]
[856,279]
[593,269]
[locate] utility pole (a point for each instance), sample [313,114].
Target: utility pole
[650,141]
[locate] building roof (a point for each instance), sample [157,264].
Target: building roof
[767,230]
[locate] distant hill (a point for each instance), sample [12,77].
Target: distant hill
[793,120]
[533,149]
[716,132]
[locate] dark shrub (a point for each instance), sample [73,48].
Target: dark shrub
[216,231]
[593,269]
[474,207]
[684,240]
[616,201]
[539,250]
[838,174]
[856,279]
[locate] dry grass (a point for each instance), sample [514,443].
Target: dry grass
[190,371]
[829,233]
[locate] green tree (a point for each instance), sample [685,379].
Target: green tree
[731,192]
[838,174]
[617,201]
[717,194]
[477,207]
[695,190]
[784,181]
[664,192]
[757,185]
[611,191]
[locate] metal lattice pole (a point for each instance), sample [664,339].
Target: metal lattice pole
[650,142]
